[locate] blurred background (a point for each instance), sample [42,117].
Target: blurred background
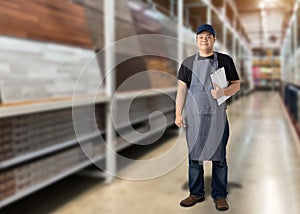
[87,101]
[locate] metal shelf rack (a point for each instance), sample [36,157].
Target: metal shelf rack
[238,48]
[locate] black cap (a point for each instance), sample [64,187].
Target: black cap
[206,27]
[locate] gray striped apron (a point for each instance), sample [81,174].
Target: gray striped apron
[205,122]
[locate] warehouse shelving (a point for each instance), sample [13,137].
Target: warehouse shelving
[148,94]
[290,68]
[38,142]
[27,158]
[182,14]
[7,110]
[266,72]
[16,160]
[41,185]
[231,36]
[233,40]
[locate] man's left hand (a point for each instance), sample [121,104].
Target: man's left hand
[217,92]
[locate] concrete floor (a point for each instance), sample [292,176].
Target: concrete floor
[264,172]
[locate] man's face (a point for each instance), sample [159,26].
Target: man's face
[205,41]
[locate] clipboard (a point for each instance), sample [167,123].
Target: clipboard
[219,77]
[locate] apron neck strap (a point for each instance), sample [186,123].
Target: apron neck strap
[215,64]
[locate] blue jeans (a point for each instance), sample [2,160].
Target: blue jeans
[219,173]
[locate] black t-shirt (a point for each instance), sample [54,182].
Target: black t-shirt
[185,71]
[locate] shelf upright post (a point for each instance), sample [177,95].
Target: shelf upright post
[234,38]
[282,62]
[179,38]
[234,54]
[295,24]
[187,15]
[208,14]
[180,31]
[224,27]
[172,9]
[109,38]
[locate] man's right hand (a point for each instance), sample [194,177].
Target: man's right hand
[178,120]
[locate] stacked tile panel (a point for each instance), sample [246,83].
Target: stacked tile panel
[31,70]
[37,148]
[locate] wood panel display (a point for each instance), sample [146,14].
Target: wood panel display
[163,71]
[157,24]
[124,26]
[58,21]
[131,19]
[218,25]
[93,10]
[125,71]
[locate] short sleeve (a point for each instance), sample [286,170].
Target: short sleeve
[231,73]
[182,74]
[185,71]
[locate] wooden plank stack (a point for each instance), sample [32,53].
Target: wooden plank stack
[57,21]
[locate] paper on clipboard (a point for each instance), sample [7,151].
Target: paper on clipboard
[219,78]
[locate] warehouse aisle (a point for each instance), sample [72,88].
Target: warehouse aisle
[264,173]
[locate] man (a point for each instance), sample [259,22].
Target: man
[207,129]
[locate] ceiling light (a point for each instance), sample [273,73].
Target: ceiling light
[261,5]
